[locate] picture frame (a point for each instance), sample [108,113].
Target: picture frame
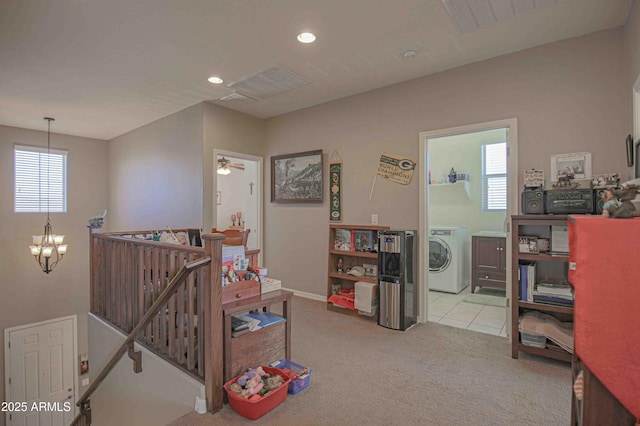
[577,163]
[370,269]
[528,245]
[605,180]
[636,153]
[363,240]
[297,178]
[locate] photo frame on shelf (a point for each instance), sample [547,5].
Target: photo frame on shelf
[528,245]
[297,178]
[370,269]
[577,165]
[605,180]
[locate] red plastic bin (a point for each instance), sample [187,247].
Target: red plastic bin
[258,408]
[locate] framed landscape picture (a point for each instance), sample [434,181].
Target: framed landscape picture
[297,178]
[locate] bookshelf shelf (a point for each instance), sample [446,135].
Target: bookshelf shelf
[337,238]
[548,268]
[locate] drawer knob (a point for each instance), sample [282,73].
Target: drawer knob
[238,295]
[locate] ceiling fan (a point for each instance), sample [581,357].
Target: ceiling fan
[224,166]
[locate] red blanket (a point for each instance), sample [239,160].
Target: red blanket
[606,278]
[344,298]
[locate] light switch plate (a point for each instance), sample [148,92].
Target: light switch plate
[374,219]
[85,382]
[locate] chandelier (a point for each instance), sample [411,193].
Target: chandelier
[48,249]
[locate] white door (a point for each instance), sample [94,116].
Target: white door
[41,373]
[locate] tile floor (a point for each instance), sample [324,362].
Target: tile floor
[450,309]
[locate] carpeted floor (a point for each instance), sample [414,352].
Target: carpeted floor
[431,374]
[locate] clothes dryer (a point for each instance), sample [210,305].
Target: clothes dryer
[448,259]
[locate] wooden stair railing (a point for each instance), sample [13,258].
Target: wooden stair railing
[159,303]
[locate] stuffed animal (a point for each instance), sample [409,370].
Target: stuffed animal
[626,208]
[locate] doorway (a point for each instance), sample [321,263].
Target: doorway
[238,198]
[456,205]
[41,372]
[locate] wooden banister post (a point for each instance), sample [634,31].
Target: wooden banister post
[213,348]
[93,257]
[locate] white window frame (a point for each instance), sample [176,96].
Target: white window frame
[486,178]
[46,177]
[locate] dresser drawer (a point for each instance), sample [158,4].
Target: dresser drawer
[240,290]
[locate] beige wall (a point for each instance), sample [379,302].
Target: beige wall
[155,174]
[632,44]
[232,131]
[28,294]
[157,395]
[567,96]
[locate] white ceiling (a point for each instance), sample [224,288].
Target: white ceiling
[103,68]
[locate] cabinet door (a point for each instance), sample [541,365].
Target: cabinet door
[489,252]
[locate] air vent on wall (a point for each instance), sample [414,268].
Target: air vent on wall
[268,83]
[471,15]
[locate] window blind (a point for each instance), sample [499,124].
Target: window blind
[494,177]
[40,180]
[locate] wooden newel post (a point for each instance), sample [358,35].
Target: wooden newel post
[93,256]
[213,348]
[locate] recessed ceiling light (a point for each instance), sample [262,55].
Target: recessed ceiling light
[306,38]
[215,79]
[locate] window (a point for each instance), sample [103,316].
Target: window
[494,177]
[41,180]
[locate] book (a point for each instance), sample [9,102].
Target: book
[531,281]
[523,282]
[238,324]
[240,332]
[265,318]
[343,240]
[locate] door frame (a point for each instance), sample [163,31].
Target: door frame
[259,191]
[7,355]
[511,124]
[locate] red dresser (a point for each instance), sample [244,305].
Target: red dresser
[604,268]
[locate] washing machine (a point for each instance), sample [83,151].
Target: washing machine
[448,259]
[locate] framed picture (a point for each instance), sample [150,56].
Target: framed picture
[528,245]
[636,153]
[576,165]
[370,270]
[606,180]
[218,198]
[363,240]
[297,178]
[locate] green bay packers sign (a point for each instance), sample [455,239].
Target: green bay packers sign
[335,190]
[396,169]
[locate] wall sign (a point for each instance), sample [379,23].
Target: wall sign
[396,169]
[335,188]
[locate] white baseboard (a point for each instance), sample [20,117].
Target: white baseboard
[306,295]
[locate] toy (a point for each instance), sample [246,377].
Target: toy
[625,208]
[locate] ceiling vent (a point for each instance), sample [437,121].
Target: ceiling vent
[471,15]
[268,83]
[237,97]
